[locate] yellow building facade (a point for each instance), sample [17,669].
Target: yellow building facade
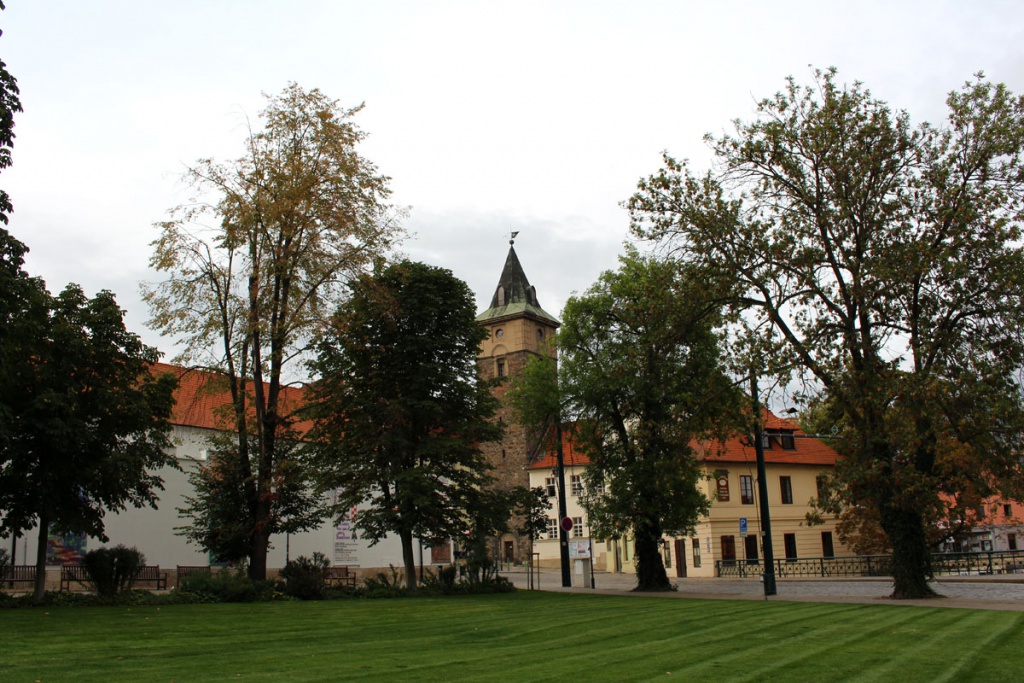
[731,532]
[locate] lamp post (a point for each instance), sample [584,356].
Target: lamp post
[762,494]
[563,534]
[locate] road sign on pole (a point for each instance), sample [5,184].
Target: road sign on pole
[567,524]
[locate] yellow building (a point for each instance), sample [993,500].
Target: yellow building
[730,532]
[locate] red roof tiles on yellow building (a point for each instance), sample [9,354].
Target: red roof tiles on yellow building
[801,449]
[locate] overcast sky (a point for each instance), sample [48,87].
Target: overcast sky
[489,117]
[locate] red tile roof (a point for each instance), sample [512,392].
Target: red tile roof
[570,454]
[737,449]
[740,448]
[203,400]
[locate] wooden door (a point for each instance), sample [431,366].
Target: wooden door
[680,557]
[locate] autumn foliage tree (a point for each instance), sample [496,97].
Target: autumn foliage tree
[883,259]
[258,262]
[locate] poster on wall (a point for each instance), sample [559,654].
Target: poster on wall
[346,546]
[64,548]
[579,549]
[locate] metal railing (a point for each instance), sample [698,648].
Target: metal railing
[1001,562]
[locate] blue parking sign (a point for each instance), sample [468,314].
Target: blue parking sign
[743,527]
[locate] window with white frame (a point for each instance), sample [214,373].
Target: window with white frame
[576,485]
[549,484]
[577,527]
[552,528]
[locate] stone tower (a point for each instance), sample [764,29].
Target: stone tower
[519,329]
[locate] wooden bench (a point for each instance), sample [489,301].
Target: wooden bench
[153,576]
[185,570]
[73,572]
[340,576]
[150,574]
[11,575]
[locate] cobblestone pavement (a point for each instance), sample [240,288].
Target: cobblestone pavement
[979,592]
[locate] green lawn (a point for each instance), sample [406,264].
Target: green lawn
[518,637]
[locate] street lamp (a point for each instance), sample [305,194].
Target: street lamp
[762,494]
[563,533]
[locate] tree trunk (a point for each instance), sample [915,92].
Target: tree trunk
[911,557]
[409,559]
[650,569]
[258,553]
[39,591]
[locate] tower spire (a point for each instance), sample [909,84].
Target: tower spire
[514,294]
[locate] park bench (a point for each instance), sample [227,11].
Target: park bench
[73,572]
[184,570]
[340,576]
[153,576]
[12,575]
[150,574]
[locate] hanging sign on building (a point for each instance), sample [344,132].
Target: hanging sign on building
[346,546]
[722,481]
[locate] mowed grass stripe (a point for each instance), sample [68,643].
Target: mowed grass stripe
[525,636]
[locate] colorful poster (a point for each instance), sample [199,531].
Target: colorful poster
[64,548]
[346,546]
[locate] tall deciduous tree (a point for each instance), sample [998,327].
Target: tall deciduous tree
[10,103]
[90,427]
[254,274]
[885,260]
[15,285]
[221,521]
[401,412]
[640,376]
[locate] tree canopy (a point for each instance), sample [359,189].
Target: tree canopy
[257,263]
[884,260]
[221,521]
[10,103]
[88,428]
[401,412]
[640,375]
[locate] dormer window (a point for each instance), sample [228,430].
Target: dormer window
[787,441]
[766,441]
[501,295]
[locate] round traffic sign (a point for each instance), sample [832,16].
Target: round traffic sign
[566,524]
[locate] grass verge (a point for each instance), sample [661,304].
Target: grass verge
[515,637]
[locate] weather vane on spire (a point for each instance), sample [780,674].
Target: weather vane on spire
[512,240]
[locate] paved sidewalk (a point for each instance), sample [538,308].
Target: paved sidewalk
[976,592]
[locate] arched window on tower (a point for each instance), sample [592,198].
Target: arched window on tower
[501,295]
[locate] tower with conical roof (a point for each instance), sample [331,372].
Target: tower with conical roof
[519,329]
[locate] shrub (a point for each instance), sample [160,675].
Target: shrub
[113,570]
[304,578]
[226,586]
[385,585]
